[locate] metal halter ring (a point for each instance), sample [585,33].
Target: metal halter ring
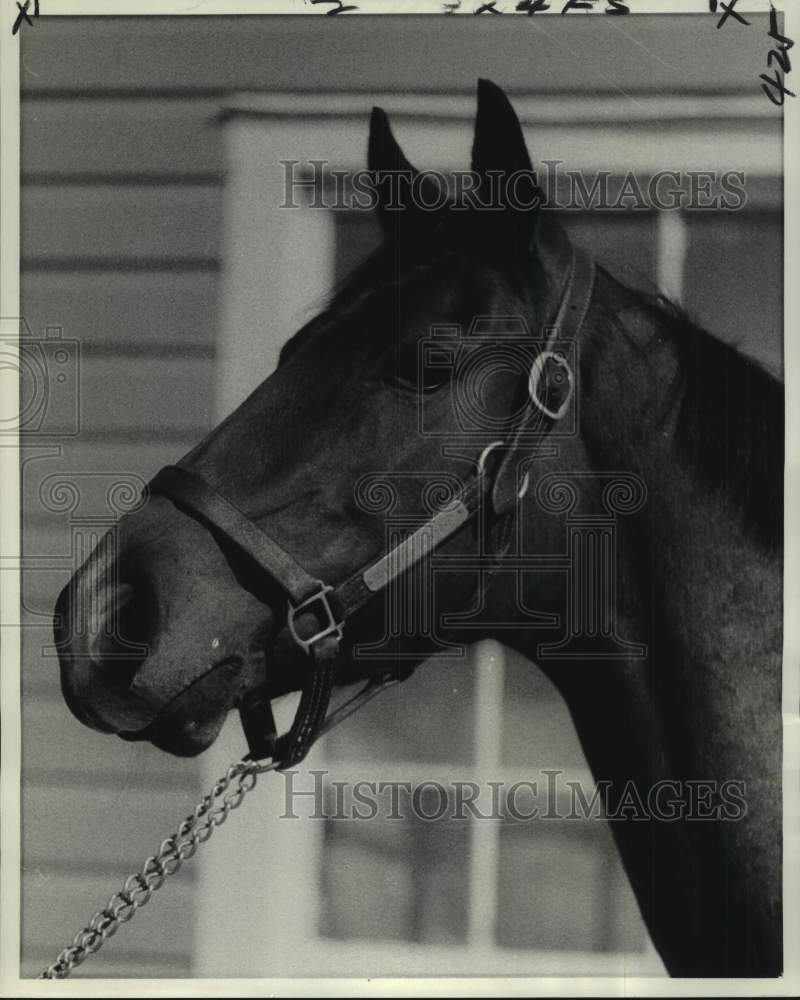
[537,370]
[482,467]
[485,454]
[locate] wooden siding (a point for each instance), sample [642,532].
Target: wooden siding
[158,137]
[110,226]
[125,313]
[120,244]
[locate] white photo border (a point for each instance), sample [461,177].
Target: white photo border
[10,773]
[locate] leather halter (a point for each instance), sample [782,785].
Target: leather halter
[317,612]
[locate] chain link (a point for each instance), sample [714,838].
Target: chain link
[138,889]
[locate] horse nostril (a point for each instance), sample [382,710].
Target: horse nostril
[126,628]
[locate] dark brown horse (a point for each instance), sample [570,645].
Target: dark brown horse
[654,448]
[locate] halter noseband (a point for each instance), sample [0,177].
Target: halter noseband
[316,611]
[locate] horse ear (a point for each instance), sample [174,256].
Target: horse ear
[397,181]
[384,152]
[498,143]
[503,167]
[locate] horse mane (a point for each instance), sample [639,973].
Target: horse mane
[730,424]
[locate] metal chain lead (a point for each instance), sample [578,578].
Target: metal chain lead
[182,845]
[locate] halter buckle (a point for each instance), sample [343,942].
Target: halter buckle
[330,627]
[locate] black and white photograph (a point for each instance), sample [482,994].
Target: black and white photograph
[399,557]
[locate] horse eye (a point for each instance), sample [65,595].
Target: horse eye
[412,385]
[406,374]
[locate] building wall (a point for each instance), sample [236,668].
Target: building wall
[123,180]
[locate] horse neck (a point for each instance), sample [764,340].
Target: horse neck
[693,584]
[695,590]
[706,564]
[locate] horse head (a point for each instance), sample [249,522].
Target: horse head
[189,622]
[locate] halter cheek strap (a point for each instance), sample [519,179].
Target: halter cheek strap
[541,416]
[317,612]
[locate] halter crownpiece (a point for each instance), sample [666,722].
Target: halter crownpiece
[317,612]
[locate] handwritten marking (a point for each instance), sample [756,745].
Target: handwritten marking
[532,6]
[775,86]
[340,7]
[24,15]
[729,12]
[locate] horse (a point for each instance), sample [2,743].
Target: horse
[261,563]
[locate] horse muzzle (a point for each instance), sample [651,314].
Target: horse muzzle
[155,645]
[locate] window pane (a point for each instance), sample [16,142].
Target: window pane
[395,879]
[740,297]
[428,717]
[562,887]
